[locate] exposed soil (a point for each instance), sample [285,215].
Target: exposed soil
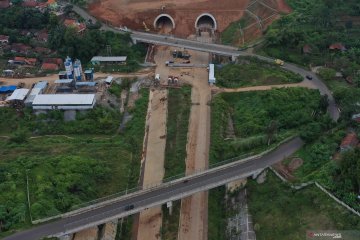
[134,13]
[154,152]
[193,216]
[287,170]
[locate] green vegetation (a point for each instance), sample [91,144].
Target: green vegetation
[341,175]
[93,42]
[282,213]
[318,24]
[170,225]
[179,104]
[217,214]
[65,170]
[263,118]
[253,72]
[65,41]
[232,34]
[99,120]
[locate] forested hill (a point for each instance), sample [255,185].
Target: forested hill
[316,25]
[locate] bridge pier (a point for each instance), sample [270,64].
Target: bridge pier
[257,173]
[169,205]
[233,58]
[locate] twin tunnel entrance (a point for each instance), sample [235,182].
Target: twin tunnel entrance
[206,22]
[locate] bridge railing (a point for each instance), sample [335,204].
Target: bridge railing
[76,209]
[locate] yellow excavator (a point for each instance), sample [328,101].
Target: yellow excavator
[146,28]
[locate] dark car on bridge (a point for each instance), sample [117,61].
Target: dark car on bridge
[129,207]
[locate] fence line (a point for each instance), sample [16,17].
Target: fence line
[302,185]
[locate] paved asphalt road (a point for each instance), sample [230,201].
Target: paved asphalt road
[162,194]
[218,49]
[159,195]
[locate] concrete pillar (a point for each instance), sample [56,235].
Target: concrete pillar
[233,58]
[66,237]
[169,205]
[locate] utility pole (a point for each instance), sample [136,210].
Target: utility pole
[28,192]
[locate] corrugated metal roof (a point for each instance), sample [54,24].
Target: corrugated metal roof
[212,78]
[62,81]
[41,84]
[109,59]
[64,99]
[90,84]
[18,94]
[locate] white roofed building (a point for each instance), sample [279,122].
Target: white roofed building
[64,101]
[115,59]
[212,79]
[18,95]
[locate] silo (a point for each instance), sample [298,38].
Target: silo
[68,68]
[77,72]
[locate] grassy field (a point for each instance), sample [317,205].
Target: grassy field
[179,106]
[217,214]
[252,72]
[282,213]
[67,170]
[258,118]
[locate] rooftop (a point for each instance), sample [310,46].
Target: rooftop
[18,94]
[109,59]
[350,140]
[49,66]
[64,99]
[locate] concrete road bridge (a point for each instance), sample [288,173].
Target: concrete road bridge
[106,211]
[117,208]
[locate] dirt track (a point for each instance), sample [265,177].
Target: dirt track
[153,162]
[193,216]
[305,83]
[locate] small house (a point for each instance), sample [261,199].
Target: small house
[49,67]
[349,142]
[4,4]
[337,46]
[4,39]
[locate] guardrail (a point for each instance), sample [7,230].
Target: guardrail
[100,202]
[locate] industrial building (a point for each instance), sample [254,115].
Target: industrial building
[18,95]
[64,101]
[38,88]
[97,60]
[212,79]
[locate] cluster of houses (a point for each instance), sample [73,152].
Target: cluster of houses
[21,51]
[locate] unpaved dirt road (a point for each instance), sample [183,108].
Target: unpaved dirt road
[193,215]
[150,220]
[305,83]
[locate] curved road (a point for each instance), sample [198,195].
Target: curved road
[185,186]
[166,192]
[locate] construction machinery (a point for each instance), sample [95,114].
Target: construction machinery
[181,54]
[279,62]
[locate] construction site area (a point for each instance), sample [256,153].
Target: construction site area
[191,19]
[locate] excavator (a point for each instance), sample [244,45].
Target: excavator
[146,28]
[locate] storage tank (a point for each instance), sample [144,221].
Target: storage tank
[77,72]
[78,62]
[68,68]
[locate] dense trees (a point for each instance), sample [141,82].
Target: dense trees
[317,24]
[264,117]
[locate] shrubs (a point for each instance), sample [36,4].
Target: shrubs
[252,72]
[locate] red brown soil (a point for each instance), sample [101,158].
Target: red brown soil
[132,13]
[287,170]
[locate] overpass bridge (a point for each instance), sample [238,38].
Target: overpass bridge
[117,208]
[168,40]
